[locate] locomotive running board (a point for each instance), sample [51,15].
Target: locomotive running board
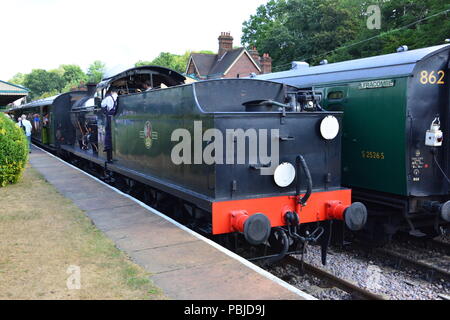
[85,155]
[199,200]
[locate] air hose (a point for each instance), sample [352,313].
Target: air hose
[285,242]
[301,163]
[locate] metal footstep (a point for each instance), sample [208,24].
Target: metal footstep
[417,233]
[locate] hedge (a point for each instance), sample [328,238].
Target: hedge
[13,151]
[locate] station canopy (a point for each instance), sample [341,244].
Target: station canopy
[11,92]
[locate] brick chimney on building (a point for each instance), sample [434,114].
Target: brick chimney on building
[254,54]
[225,43]
[266,63]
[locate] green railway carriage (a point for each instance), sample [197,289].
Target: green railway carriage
[396,132]
[48,118]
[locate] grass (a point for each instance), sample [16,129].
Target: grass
[42,234]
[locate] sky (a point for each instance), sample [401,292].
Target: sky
[43,34]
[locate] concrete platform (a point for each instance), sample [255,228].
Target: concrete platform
[184,264]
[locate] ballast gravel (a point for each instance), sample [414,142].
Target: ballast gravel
[372,273]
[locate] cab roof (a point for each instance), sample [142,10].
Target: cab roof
[176,77]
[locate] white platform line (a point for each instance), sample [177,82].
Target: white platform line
[231,254]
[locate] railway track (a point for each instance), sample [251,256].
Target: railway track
[345,285]
[439,244]
[431,256]
[443,245]
[433,265]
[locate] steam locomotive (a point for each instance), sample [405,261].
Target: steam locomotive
[244,159]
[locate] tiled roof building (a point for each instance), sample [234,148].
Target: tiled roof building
[228,62]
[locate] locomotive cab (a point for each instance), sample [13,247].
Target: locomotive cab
[133,80]
[90,121]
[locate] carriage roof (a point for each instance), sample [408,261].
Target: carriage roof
[394,64]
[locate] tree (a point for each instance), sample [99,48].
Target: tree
[18,78]
[300,29]
[72,74]
[40,81]
[13,151]
[167,60]
[404,22]
[171,61]
[313,30]
[96,71]
[44,83]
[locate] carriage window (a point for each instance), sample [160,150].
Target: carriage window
[336,95]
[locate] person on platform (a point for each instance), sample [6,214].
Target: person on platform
[28,128]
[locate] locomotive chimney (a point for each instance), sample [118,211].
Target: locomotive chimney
[225,43]
[91,88]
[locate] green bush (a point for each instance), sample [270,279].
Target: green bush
[13,151]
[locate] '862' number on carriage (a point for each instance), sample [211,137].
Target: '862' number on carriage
[432,77]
